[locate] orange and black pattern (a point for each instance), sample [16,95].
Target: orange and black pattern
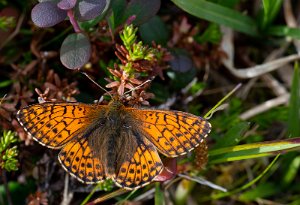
[174,133]
[85,134]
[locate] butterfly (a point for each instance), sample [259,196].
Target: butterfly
[113,141]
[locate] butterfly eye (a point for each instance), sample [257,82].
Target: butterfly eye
[126,126]
[102,122]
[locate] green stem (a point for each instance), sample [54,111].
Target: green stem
[249,184]
[222,100]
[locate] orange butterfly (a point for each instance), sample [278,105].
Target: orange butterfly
[112,141]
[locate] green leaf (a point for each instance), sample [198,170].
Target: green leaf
[75,51]
[244,187]
[142,9]
[270,11]
[233,135]
[255,150]
[5,83]
[227,3]
[283,31]
[291,172]
[296,201]
[219,14]
[260,191]
[154,30]
[19,191]
[211,35]
[294,105]
[116,18]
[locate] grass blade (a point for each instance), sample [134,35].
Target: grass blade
[294,105]
[219,14]
[254,150]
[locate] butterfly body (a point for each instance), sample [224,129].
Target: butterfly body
[113,141]
[113,137]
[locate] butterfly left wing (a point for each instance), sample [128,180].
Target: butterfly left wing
[78,160]
[173,133]
[55,124]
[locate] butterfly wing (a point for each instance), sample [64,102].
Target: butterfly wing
[55,124]
[174,133]
[142,168]
[77,159]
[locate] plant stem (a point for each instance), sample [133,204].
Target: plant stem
[8,196]
[73,21]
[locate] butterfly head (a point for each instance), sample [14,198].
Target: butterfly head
[116,104]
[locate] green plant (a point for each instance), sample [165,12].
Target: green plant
[6,23]
[8,160]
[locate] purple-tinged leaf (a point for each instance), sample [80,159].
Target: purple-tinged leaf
[142,9]
[66,4]
[75,51]
[47,14]
[181,63]
[55,1]
[90,9]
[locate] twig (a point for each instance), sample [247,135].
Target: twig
[147,195]
[246,88]
[187,88]
[265,106]
[203,182]
[277,88]
[268,202]
[273,84]
[108,196]
[254,71]
[67,196]
[15,32]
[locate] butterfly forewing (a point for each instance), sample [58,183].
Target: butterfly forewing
[172,132]
[55,124]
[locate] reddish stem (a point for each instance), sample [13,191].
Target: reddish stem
[73,21]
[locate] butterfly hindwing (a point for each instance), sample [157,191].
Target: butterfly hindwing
[174,133]
[55,124]
[142,168]
[77,159]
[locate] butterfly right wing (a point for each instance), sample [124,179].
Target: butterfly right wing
[55,124]
[142,167]
[173,133]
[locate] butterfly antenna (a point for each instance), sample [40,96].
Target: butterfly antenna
[84,73]
[137,87]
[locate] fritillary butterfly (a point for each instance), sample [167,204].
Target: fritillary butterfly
[113,141]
